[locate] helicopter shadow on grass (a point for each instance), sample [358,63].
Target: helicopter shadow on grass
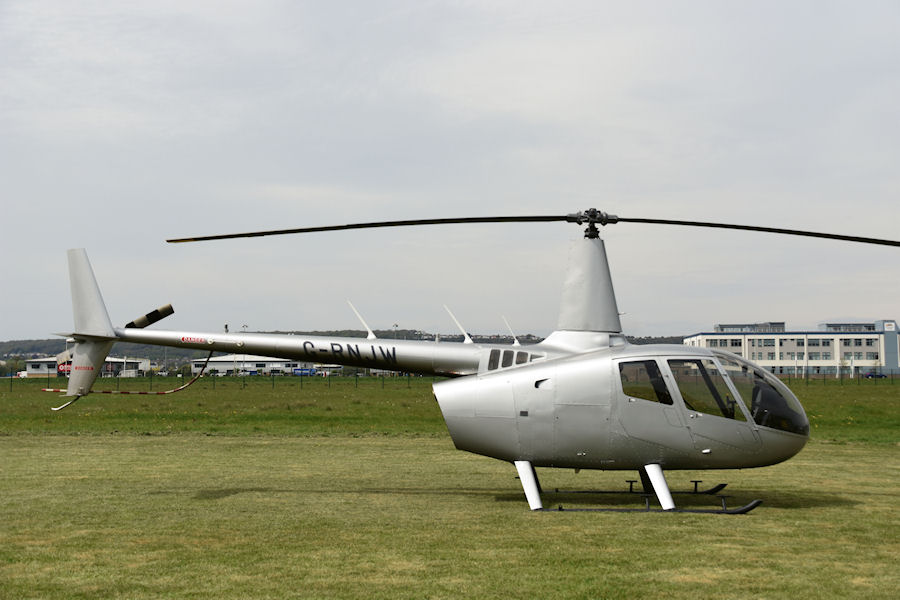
[790,499]
[799,499]
[227,492]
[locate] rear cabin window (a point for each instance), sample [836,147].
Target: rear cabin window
[494,360]
[642,379]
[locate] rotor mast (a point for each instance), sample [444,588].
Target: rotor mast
[588,298]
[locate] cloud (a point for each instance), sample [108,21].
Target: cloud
[124,125]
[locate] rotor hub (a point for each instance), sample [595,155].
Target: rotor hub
[592,217]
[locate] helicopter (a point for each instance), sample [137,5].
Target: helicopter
[583,398]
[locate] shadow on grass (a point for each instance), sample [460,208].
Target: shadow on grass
[227,492]
[791,499]
[795,499]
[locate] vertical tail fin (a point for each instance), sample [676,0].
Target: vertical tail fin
[88,308]
[94,334]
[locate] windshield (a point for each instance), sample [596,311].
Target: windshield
[770,402]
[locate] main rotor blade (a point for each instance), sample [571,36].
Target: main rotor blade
[591,217]
[250,234]
[815,234]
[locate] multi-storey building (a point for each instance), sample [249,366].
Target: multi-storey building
[832,349]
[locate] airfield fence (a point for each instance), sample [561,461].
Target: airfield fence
[301,382]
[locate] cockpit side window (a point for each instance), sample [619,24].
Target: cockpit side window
[703,388]
[642,379]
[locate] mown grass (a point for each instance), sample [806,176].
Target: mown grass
[148,497]
[232,406]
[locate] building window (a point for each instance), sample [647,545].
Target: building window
[870,342]
[845,342]
[735,343]
[814,356]
[848,355]
[871,356]
[857,355]
[826,343]
[770,356]
[800,356]
[826,356]
[713,343]
[800,343]
[857,342]
[814,342]
[769,342]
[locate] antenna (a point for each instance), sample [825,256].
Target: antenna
[371,335]
[467,339]
[515,339]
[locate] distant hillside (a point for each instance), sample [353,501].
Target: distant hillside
[666,339]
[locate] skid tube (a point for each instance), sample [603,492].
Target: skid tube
[741,510]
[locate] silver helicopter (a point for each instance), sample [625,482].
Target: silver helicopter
[584,398]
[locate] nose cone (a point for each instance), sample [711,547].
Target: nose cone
[778,446]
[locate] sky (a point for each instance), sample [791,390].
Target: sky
[123,124]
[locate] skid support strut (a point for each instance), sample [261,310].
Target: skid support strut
[529,484]
[660,487]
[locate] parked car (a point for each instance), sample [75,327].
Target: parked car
[874,375]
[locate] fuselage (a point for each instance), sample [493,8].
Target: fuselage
[626,406]
[578,400]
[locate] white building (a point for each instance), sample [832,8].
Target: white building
[834,348]
[126,367]
[248,364]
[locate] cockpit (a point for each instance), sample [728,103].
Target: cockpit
[770,402]
[704,388]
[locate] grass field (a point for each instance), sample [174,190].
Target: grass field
[261,489]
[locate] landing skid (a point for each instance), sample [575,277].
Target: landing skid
[647,495]
[741,510]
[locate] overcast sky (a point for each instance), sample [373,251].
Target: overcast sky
[126,123]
